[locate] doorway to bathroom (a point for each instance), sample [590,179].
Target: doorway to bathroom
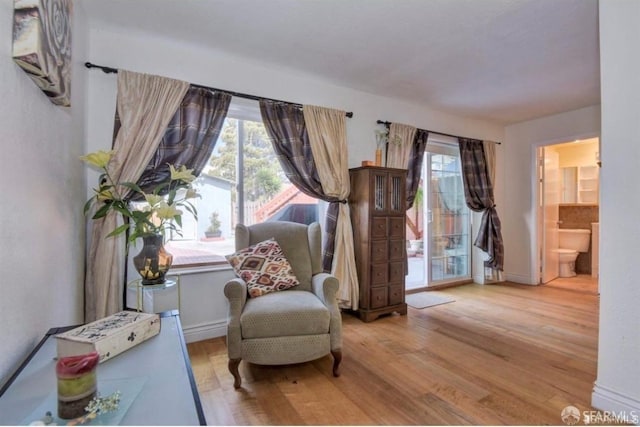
[568,214]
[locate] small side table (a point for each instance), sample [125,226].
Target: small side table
[169,283]
[169,395]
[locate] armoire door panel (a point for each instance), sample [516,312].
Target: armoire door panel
[379,297]
[378,227]
[379,274]
[397,226]
[397,249]
[396,294]
[379,251]
[396,271]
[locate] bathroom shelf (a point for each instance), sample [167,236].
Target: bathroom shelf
[588,184]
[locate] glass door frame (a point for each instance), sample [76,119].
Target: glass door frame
[435,147]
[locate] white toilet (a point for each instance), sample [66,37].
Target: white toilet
[571,241]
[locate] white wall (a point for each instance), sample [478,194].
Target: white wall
[203,307]
[41,221]
[197,64]
[617,386]
[582,154]
[519,216]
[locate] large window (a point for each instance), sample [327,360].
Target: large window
[242,183]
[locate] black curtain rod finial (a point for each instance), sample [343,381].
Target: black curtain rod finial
[107,70]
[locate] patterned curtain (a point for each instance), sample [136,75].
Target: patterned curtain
[491,274]
[286,127]
[145,104]
[415,165]
[190,137]
[478,193]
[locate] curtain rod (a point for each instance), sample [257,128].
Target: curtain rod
[381,122]
[109,70]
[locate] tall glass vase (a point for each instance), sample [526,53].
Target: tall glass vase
[378,161]
[153,261]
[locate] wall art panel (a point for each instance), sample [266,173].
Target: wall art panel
[42,45]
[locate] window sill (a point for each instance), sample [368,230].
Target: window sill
[187,269]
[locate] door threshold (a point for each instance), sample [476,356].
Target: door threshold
[438,287]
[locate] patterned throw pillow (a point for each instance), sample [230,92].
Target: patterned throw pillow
[264,267]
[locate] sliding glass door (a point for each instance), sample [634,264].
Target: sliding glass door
[440,241]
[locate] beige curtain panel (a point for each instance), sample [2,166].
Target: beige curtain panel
[328,138]
[399,148]
[489,148]
[145,105]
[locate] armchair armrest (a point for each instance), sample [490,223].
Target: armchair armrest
[236,292]
[325,287]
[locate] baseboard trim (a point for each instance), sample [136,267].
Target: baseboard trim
[606,399]
[205,331]
[517,278]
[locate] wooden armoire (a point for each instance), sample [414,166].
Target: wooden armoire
[378,205]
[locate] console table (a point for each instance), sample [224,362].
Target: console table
[168,395]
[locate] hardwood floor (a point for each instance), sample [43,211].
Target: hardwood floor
[500,354]
[580,283]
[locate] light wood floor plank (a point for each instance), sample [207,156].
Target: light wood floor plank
[500,354]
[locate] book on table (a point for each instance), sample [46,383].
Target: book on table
[109,336]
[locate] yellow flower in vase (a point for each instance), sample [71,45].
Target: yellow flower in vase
[166,211]
[182,174]
[99,159]
[159,210]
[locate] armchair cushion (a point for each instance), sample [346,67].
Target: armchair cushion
[264,268]
[288,313]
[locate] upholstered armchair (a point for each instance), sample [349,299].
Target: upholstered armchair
[295,325]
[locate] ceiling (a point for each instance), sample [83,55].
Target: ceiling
[500,60]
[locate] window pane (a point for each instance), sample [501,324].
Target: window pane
[238,187]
